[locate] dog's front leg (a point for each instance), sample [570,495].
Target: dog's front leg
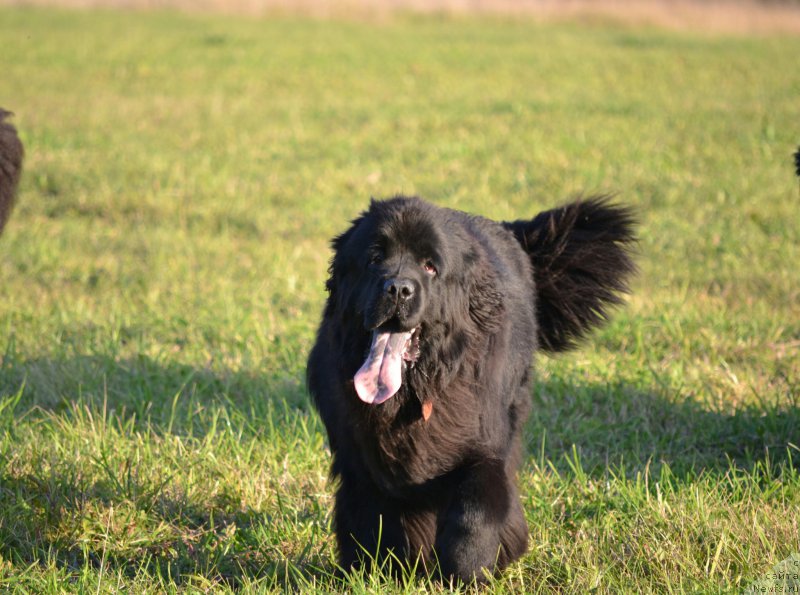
[482,514]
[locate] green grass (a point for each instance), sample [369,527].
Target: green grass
[162,277]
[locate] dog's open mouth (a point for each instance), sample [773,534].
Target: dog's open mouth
[381,375]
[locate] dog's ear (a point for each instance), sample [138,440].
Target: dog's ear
[485,301]
[337,270]
[340,250]
[335,266]
[581,263]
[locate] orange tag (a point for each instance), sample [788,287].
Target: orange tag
[427,409]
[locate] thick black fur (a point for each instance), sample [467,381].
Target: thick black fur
[579,254]
[441,493]
[10,166]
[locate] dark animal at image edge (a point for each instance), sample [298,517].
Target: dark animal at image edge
[11,153]
[422,370]
[797,162]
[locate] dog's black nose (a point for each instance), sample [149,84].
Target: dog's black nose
[399,289]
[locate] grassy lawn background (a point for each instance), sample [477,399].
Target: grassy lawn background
[162,277]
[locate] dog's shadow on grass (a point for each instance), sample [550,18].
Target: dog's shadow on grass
[56,515]
[630,430]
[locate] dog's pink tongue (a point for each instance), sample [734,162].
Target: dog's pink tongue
[382,374]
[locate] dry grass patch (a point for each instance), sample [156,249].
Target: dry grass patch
[717,16]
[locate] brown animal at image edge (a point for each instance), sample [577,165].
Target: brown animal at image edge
[11,153]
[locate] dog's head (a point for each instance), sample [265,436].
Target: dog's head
[404,261]
[398,271]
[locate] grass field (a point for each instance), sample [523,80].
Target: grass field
[162,277]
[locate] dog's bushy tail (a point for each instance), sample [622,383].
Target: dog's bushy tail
[11,153]
[581,256]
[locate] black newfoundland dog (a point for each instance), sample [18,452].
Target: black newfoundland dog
[422,370]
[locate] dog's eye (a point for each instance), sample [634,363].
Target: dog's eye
[429,268]
[376,258]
